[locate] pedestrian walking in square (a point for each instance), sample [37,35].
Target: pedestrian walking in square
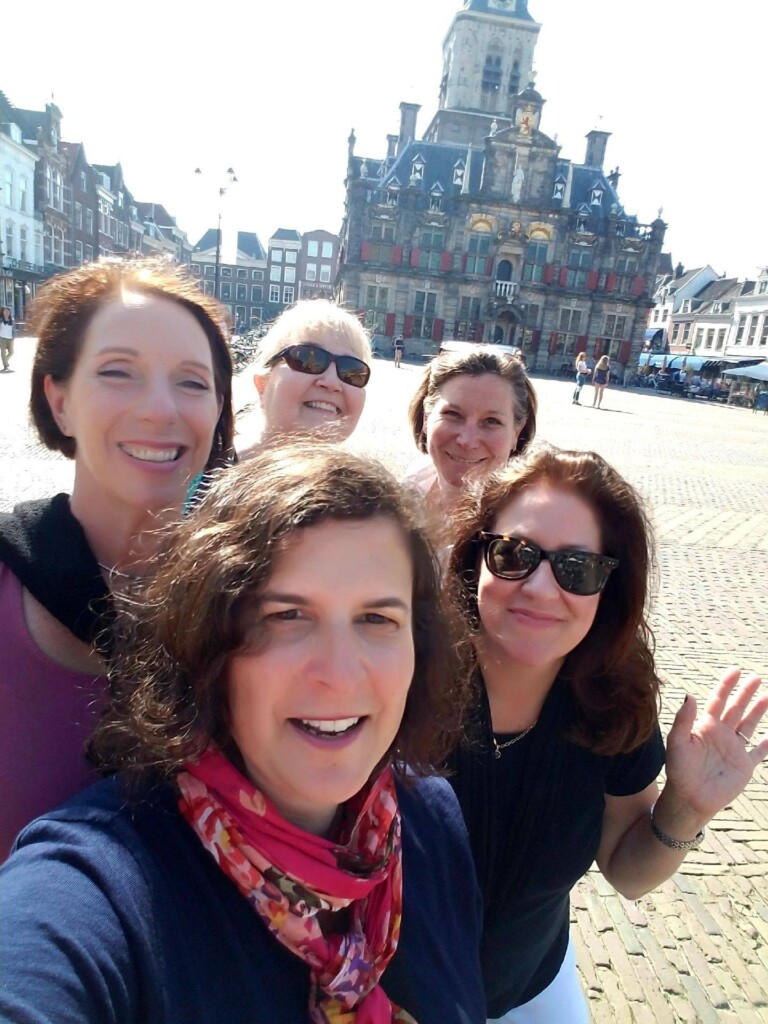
[601,378]
[397,346]
[582,372]
[6,338]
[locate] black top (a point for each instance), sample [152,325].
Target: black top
[123,917]
[534,816]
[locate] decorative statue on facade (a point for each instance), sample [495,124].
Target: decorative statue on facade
[518,179]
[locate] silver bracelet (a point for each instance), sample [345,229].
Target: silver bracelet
[675,844]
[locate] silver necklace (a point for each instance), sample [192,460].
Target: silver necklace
[498,747]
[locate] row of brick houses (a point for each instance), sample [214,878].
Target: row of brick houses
[482,230]
[261,282]
[58,210]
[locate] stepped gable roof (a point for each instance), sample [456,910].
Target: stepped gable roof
[208,241]
[248,242]
[286,235]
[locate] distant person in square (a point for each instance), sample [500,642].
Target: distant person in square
[600,380]
[6,338]
[397,345]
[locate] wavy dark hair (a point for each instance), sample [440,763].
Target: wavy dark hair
[475,363]
[63,311]
[611,672]
[169,672]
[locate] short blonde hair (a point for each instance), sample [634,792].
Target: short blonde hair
[315,316]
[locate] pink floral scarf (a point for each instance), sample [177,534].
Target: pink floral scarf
[288,876]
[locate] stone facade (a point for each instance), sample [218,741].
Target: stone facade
[482,230]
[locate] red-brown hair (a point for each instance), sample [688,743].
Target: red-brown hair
[64,309]
[611,672]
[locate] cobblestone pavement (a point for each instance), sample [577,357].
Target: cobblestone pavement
[695,950]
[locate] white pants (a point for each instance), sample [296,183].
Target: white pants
[561,1002]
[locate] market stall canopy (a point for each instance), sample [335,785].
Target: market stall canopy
[757,372]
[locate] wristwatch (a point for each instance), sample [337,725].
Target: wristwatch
[675,844]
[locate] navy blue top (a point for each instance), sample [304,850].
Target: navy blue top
[535,817]
[117,915]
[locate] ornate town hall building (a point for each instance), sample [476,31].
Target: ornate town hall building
[481,230]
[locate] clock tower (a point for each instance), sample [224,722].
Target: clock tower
[487,61]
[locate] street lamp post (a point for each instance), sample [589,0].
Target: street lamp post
[223,189]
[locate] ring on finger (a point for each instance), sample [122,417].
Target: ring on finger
[742,736]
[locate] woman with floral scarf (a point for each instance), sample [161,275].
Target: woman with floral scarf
[271,848]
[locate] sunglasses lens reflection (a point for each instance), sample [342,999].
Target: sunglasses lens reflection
[315,360]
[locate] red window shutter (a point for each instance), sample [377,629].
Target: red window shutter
[582,342]
[536,340]
[563,277]
[464,264]
[553,345]
[415,253]
[489,266]
[624,350]
[446,261]
[408,327]
[389,325]
[592,278]
[365,251]
[610,283]
[437,330]
[478,332]
[638,286]
[397,255]
[549,274]
[599,347]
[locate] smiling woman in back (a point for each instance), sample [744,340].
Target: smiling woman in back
[131,380]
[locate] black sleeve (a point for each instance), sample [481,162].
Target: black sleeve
[633,772]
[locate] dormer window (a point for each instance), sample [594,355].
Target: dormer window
[458,174]
[596,196]
[417,169]
[621,229]
[559,190]
[393,197]
[436,197]
[364,169]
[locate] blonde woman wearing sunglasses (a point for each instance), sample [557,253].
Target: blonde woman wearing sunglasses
[551,564]
[313,366]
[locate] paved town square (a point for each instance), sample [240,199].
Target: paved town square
[696,950]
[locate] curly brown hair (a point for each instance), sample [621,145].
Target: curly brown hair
[173,647]
[475,363]
[62,314]
[611,672]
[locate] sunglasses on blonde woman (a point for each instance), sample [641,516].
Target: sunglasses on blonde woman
[307,357]
[513,558]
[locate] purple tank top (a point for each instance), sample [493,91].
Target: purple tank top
[47,714]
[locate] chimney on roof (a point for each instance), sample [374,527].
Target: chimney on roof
[408,114]
[679,271]
[391,146]
[597,143]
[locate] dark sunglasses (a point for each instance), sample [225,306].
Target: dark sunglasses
[309,358]
[513,558]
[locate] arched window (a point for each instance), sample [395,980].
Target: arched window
[514,79]
[491,80]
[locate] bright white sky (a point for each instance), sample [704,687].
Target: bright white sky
[272,88]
